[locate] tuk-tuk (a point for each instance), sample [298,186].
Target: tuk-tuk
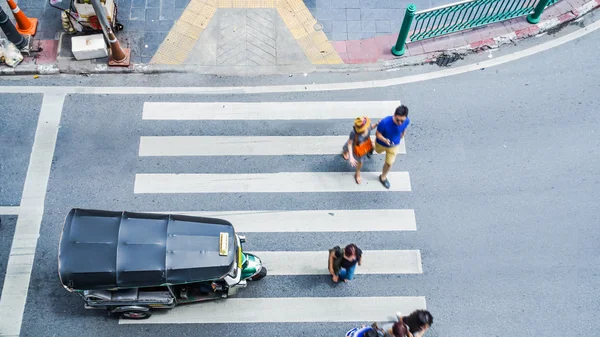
[129,263]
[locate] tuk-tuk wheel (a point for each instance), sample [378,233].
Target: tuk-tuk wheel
[136,314]
[118,27]
[261,274]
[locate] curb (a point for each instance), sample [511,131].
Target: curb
[534,29]
[396,63]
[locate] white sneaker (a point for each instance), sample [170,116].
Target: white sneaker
[398,315]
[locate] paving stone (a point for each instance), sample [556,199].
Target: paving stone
[167,10]
[166,25]
[327,26]
[123,14]
[354,47]
[154,37]
[338,4]
[325,3]
[177,13]
[149,50]
[354,27]
[138,14]
[340,27]
[352,3]
[152,13]
[354,35]
[323,14]
[371,47]
[123,4]
[181,3]
[353,14]
[383,27]
[152,3]
[369,26]
[366,35]
[339,36]
[339,46]
[310,3]
[138,3]
[368,4]
[135,26]
[374,14]
[338,14]
[152,25]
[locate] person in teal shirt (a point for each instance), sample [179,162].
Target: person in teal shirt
[390,132]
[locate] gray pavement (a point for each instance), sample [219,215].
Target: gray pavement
[7,231]
[504,168]
[17,129]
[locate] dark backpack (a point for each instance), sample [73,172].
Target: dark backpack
[337,261]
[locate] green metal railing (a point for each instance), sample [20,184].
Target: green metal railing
[463,15]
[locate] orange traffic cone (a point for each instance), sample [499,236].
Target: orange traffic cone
[25,25]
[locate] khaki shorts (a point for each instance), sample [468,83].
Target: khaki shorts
[390,152]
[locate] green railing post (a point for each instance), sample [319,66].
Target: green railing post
[537,12]
[398,49]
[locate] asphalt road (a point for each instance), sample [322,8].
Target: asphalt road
[505,174]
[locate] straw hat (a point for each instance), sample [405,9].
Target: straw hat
[361,124]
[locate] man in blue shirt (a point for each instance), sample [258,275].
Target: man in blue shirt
[389,135]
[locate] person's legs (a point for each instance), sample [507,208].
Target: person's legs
[342,274]
[357,177]
[350,272]
[390,157]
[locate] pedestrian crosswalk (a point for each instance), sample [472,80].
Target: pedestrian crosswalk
[279,260]
[364,220]
[178,146]
[287,310]
[264,110]
[281,182]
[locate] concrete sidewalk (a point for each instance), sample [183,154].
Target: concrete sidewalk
[252,37]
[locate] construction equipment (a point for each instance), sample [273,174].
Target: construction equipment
[81,17]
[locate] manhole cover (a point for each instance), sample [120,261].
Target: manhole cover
[318,26]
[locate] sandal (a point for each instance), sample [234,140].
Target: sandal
[345,155]
[358,179]
[385,183]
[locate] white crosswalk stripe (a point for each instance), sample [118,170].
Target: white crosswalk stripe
[280,262]
[366,220]
[266,110]
[315,263]
[296,309]
[282,182]
[171,146]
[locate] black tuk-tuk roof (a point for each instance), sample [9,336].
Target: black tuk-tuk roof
[107,249]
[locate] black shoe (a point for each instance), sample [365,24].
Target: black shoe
[385,182]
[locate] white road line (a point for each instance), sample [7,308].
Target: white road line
[368,220]
[20,261]
[243,146]
[9,210]
[282,182]
[158,90]
[290,309]
[315,262]
[267,110]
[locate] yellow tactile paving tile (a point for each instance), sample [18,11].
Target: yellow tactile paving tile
[301,24]
[185,32]
[294,13]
